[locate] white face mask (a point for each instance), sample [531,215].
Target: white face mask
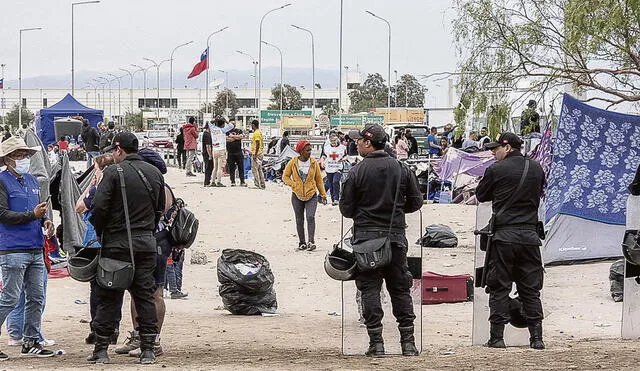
[22,166]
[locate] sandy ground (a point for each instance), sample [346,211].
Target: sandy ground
[582,328]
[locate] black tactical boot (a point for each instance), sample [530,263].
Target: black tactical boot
[114,337]
[100,354]
[407,341]
[535,341]
[147,356]
[91,338]
[376,343]
[496,339]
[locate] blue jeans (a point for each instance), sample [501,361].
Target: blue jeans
[332,185]
[174,276]
[15,320]
[23,272]
[91,156]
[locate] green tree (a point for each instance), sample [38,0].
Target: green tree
[133,119]
[330,109]
[221,104]
[11,117]
[539,45]
[292,99]
[497,119]
[371,94]
[408,92]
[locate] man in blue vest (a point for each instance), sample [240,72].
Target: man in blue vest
[22,217]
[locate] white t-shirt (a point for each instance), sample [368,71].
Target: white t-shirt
[218,139]
[303,168]
[332,163]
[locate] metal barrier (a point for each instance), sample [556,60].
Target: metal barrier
[170,155]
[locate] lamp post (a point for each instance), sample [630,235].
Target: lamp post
[260,53]
[340,69]
[226,93]
[313,69]
[281,78]
[98,82]
[130,89]
[389,65]
[106,81]
[2,103]
[157,81]
[144,81]
[73,6]
[255,80]
[119,89]
[171,74]
[206,94]
[20,74]
[395,102]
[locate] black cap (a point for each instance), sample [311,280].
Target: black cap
[372,132]
[506,138]
[124,140]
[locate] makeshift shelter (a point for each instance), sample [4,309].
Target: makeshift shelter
[595,156]
[68,106]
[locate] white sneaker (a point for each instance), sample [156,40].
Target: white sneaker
[48,343]
[15,342]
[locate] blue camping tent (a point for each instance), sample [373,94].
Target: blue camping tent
[68,106]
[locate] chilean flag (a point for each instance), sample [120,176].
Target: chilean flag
[200,66]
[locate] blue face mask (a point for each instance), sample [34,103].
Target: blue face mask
[22,166]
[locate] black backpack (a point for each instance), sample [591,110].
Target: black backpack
[183,227]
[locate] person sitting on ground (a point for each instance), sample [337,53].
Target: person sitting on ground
[63,144]
[304,176]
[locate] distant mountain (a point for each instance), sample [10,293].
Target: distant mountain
[328,79]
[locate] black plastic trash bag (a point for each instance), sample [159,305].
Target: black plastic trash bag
[246,283]
[438,235]
[616,278]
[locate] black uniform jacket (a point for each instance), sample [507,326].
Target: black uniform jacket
[517,223]
[108,213]
[368,191]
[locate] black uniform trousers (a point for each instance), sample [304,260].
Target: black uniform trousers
[397,278]
[182,158]
[142,290]
[208,170]
[236,160]
[522,264]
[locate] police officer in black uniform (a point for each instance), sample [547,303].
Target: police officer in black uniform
[515,250]
[108,218]
[368,198]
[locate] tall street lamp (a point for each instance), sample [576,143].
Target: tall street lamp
[73,6]
[98,82]
[144,81]
[206,94]
[313,69]
[130,88]
[281,78]
[2,103]
[157,66]
[105,82]
[226,93]
[95,93]
[340,68]
[255,79]
[260,52]
[20,73]
[119,91]
[389,65]
[171,73]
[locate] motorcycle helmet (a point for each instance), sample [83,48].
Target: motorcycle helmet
[340,264]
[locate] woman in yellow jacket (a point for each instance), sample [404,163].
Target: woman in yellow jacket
[304,176]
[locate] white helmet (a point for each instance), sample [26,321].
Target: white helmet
[340,264]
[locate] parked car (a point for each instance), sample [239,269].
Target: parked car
[159,139]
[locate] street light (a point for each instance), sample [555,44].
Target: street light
[73,5]
[395,102]
[106,81]
[226,93]
[206,94]
[95,93]
[255,79]
[313,69]
[389,65]
[260,52]
[171,73]
[281,79]
[340,69]
[2,103]
[119,87]
[157,82]
[144,81]
[20,74]
[130,89]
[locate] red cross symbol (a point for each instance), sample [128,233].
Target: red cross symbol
[334,156]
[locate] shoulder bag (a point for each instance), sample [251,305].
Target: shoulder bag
[376,253]
[115,274]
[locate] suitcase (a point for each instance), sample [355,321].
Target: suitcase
[439,288]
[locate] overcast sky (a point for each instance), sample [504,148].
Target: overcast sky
[116,33]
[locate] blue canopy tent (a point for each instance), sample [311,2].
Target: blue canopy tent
[68,106]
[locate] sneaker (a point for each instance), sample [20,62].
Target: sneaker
[157,350]
[302,246]
[311,246]
[233,184]
[179,295]
[15,342]
[35,350]
[334,203]
[191,174]
[48,343]
[132,343]
[220,185]
[3,357]
[243,184]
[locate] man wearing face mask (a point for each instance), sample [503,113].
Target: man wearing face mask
[22,217]
[515,247]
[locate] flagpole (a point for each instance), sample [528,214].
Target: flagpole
[2,103]
[206,97]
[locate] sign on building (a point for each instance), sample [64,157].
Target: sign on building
[355,121]
[272,117]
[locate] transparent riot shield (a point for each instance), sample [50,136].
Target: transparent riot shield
[631,291]
[355,340]
[512,336]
